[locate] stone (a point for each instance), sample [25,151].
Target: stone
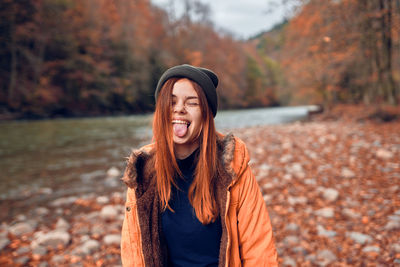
[21,228]
[325,212]
[112,182]
[22,260]
[63,201]
[292,227]
[53,239]
[384,154]
[98,229]
[267,198]
[45,191]
[392,225]
[4,242]
[330,194]
[349,213]
[359,237]
[22,250]
[286,158]
[39,251]
[41,211]
[310,181]
[300,250]
[112,239]
[291,240]
[395,248]
[62,224]
[323,232]
[297,200]
[87,247]
[325,257]
[268,186]
[113,172]
[102,200]
[108,212]
[58,259]
[347,173]
[371,249]
[288,261]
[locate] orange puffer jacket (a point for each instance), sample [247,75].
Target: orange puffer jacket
[247,238]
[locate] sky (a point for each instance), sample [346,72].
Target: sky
[243,18]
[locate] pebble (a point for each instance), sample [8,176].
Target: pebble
[63,201]
[396,248]
[347,173]
[112,182]
[108,212]
[267,198]
[297,200]
[39,251]
[371,249]
[53,239]
[325,257]
[350,213]
[87,247]
[21,229]
[310,181]
[41,211]
[292,227]
[22,250]
[323,232]
[113,172]
[62,224]
[98,229]
[392,225]
[4,242]
[22,260]
[102,200]
[359,237]
[58,259]
[330,194]
[288,261]
[325,212]
[384,154]
[112,239]
[291,240]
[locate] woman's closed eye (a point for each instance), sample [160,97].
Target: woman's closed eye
[192,103]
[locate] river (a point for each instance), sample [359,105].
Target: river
[70,155]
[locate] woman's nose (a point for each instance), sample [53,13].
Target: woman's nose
[179,107]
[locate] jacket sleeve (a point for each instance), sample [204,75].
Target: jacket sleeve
[256,240]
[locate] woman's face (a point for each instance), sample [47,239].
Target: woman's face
[186,115]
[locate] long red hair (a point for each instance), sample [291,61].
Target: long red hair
[202,190]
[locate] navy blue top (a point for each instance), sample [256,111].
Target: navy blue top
[190,243]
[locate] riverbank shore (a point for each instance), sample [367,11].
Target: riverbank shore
[331,185]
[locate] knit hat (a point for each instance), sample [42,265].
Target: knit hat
[207,80]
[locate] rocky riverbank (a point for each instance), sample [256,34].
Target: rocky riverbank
[332,188]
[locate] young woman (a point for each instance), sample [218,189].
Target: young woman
[192,199]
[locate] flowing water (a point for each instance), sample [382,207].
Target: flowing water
[71,154]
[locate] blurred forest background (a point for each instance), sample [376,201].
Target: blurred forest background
[61,58]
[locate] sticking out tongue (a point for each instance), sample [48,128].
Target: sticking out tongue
[180,129]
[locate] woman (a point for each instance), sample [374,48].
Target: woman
[192,199]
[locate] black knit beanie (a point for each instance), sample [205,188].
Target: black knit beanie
[207,80]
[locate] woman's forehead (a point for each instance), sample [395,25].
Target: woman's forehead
[184,87]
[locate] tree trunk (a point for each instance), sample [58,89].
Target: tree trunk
[13,66]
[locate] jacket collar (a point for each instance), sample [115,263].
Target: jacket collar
[140,163]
